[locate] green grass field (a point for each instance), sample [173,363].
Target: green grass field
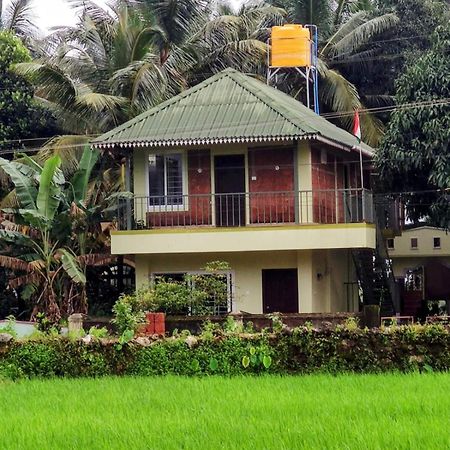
[311,412]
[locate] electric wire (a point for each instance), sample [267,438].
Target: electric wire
[331,115]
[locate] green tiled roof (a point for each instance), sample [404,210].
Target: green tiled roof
[228,107]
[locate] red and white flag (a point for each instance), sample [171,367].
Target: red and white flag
[357,126]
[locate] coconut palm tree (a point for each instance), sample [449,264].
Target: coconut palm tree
[117,62]
[18,17]
[236,39]
[121,60]
[346,28]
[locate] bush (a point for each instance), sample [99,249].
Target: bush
[202,294]
[298,351]
[129,312]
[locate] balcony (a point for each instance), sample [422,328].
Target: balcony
[249,209]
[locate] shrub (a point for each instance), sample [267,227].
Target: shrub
[129,312]
[218,351]
[9,328]
[201,294]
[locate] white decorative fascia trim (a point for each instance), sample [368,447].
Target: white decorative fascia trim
[202,141]
[346,148]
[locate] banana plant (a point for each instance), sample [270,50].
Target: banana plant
[39,229]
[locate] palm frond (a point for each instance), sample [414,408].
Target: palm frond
[51,81]
[358,31]
[337,92]
[107,110]
[18,17]
[68,148]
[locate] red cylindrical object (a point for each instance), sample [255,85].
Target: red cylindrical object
[160,323]
[155,324]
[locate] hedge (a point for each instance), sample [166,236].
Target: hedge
[299,351]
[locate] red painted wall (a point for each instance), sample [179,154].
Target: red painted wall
[272,192]
[271,189]
[199,202]
[326,176]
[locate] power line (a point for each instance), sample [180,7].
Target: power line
[49,138]
[390,108]
[331,115]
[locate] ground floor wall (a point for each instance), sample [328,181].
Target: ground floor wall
[324,276]
[423,278]
[402,265]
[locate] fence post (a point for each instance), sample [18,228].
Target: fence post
[75,322]
[371,315]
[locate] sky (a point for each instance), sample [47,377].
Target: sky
[52,13]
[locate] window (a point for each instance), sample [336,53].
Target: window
[414,280]
[218,288]
[436,242]
[165,175]
[390,243]
[414,243]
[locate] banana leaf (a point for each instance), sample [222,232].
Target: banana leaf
[49,194]
[80,180]
[71,266]
[26,192]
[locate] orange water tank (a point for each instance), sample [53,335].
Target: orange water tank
[291,46]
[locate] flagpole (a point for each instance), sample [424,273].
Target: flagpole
[362,181]
[357,134]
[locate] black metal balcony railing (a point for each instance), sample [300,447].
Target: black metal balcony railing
[246,209]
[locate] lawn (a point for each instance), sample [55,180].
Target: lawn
[270,412]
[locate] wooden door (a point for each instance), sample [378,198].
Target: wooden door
[229,174]
[280,290]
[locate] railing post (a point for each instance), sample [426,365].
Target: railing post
[128,189]
[363,193]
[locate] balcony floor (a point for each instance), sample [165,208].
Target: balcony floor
[208,239]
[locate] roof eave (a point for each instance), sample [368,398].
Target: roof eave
[200,141]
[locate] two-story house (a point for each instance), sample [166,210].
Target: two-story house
[237,171]
[421,263]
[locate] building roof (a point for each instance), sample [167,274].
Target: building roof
[228,107]
[415,228]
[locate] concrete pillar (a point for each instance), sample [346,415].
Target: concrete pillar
[142,271]
[75,323]
[305,277]
[304,180]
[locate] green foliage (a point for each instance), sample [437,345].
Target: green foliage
[20,116]
[257,358]
[124,338]
[422,348]
[98,333]
[71,266]
[56,223]
[277,322]
[170,297]
[9,328]
[12,50]
[129,313]
[46,325]
[415,153]
[196,294]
